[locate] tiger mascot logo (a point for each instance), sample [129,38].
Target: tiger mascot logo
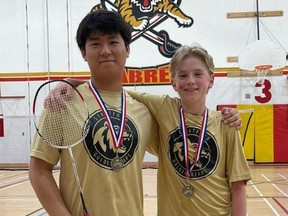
[208,158]
[99,143]
[137,13]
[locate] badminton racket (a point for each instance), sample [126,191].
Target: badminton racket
[61,119]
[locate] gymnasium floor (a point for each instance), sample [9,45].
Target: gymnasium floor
[267,192]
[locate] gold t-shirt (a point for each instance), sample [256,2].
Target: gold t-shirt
[105,191]
[221,162]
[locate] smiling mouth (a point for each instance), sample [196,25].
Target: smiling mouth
[190,90]
[106,61]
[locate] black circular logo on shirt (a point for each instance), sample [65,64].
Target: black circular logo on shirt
[209,153]
[99,142]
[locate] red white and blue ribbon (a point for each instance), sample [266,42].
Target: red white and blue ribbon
[186,143]
[117,138]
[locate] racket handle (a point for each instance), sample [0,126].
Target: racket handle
[85,212]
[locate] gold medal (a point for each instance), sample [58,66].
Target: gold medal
[117,163]
[188,191]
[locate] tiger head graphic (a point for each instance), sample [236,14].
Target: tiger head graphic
[138,13]
[99,142]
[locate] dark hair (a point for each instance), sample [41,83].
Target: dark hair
[105,22]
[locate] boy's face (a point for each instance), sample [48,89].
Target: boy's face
[106,55]
[192,80]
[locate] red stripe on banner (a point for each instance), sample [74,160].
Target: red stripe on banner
[220,107]
[85,75]
[220,74]
[280,133]
[1,126]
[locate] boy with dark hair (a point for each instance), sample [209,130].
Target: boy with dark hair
[108,189]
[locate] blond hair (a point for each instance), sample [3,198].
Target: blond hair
[192,50]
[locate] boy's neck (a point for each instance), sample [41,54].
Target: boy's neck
[108,86]
[194,109]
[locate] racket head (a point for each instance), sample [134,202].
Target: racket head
[60,115]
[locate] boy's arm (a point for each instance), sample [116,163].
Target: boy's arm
[230,116]
[239,199]
[45,187]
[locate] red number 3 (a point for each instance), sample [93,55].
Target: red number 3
[266,86]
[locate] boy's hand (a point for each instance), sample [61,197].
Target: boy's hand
[54,100]
[231,116]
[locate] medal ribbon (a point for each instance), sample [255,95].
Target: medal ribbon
[117,138]
[185,139]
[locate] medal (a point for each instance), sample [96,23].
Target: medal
[186,143]
[117,163]
[188,191]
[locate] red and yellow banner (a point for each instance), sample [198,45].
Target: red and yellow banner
[264,132]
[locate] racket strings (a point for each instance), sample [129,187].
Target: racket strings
[65,122]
